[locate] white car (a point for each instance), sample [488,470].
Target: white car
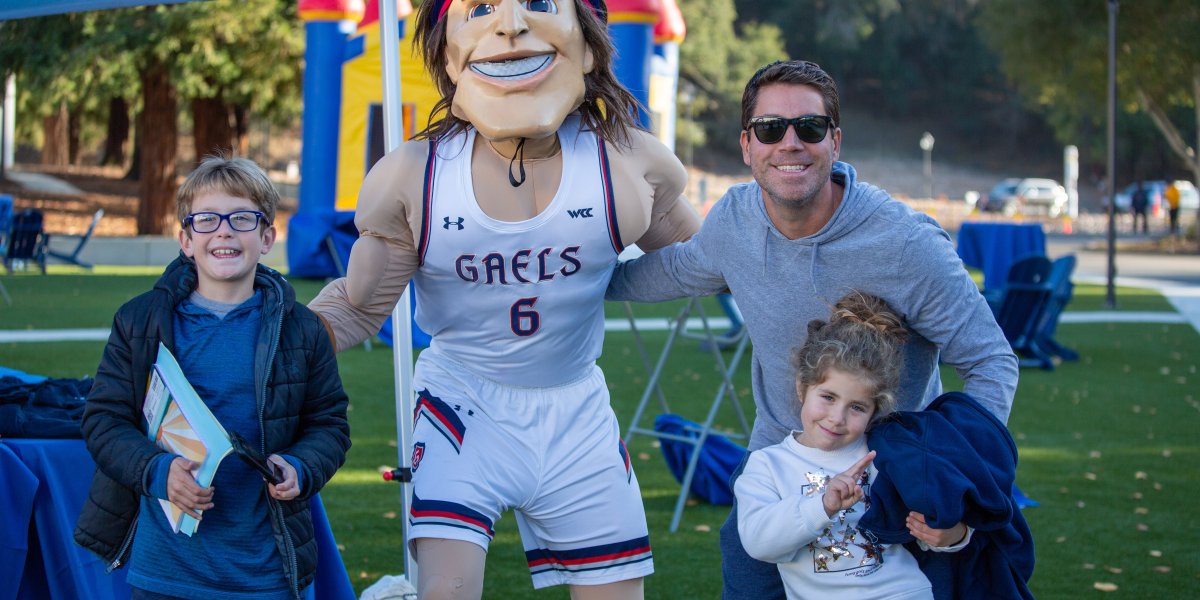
[1036,195]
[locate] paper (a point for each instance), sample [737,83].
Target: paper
[179,422]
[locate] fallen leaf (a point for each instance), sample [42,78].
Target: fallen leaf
[703,528]
[1162,569]
[1140,475]
[1137,408]
[391,514]
[1094,454]
[1137,495]
[1078,435]
[1064,490]
[1113,570]
[1166,453]
[1105,586]
[362,574]
[1143,527]
[1060,539]
[1157,486]
[643,456]
[1141,510]
[656,444]
[692,502]
[1089,476]
[1020,435]
[1156,553]
[1088,566]
[392,444]
[1165,370]
[341,547]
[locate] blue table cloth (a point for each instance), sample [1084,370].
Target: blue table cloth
[43,484]
[994,247]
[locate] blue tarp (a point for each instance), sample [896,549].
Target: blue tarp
[719,458]
[20,9]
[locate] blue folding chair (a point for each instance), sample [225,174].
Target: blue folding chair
[26,242]
[72,257]
[1061,292]
[1026,297]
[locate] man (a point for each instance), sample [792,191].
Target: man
[1171,195]
[799,237]
[508,216]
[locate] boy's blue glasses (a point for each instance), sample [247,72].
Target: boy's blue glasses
[239,220]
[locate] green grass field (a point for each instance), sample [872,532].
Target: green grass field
[1108,445]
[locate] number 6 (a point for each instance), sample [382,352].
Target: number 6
[524,322]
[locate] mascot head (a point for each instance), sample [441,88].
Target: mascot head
[516,68]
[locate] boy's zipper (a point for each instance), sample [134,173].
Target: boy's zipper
[116,563]
[262,444]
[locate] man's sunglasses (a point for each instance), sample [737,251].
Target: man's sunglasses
[809,128]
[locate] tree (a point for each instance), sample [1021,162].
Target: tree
[718,58]
[1056,55]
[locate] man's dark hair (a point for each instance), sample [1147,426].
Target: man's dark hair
[608,108]
[792,72]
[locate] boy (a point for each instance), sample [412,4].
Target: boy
[263,364]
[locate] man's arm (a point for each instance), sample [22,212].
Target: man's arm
[384,258]
[953,315]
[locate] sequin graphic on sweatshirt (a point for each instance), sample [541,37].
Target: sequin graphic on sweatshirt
[841,547]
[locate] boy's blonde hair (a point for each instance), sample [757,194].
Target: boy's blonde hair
[239,177]
[862,338]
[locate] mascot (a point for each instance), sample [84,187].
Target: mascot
[507,214]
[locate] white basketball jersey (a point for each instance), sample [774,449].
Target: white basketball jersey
[521,303]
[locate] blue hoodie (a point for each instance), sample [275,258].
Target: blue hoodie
[953,462]
[873,244]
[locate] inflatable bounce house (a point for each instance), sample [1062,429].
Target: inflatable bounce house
[343,108]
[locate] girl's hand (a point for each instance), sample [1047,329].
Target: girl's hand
[936,538]
[843,490]
[288,489]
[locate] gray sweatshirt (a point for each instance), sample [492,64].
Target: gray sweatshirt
[873,244]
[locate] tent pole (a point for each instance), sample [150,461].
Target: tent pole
[402,350]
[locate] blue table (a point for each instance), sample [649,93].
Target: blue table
[43,484]
[994,247]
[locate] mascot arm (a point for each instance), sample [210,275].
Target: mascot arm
[384,258]
[672,217]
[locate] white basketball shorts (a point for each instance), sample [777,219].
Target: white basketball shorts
[552,455]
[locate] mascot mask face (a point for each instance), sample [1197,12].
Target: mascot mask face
[518,65]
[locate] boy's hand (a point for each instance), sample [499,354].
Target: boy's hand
[936,538]
[843,491]
[183,490]
[288,489]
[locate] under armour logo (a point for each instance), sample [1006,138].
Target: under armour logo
[447,223]
[583,213]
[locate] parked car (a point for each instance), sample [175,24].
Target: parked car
[1189,199]
[1041,195]
[1001,197]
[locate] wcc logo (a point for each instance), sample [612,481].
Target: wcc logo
[417,454]
[447,223]
[583,213]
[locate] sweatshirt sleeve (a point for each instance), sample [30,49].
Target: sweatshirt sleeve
[680,270]
[774,528]
[949,311]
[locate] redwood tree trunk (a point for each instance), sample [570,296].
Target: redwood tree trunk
[117,136]
[212,131]
[157,133]
[56,147]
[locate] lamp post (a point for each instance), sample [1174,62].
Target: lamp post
[927,146]
[1110,298]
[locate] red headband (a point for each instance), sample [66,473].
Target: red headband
[597,6]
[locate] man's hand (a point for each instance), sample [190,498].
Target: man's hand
[936,538]
[843,490]
[287,489]
[183,491]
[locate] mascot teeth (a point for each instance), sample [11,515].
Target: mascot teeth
[520,68]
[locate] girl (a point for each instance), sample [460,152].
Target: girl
[799,501]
